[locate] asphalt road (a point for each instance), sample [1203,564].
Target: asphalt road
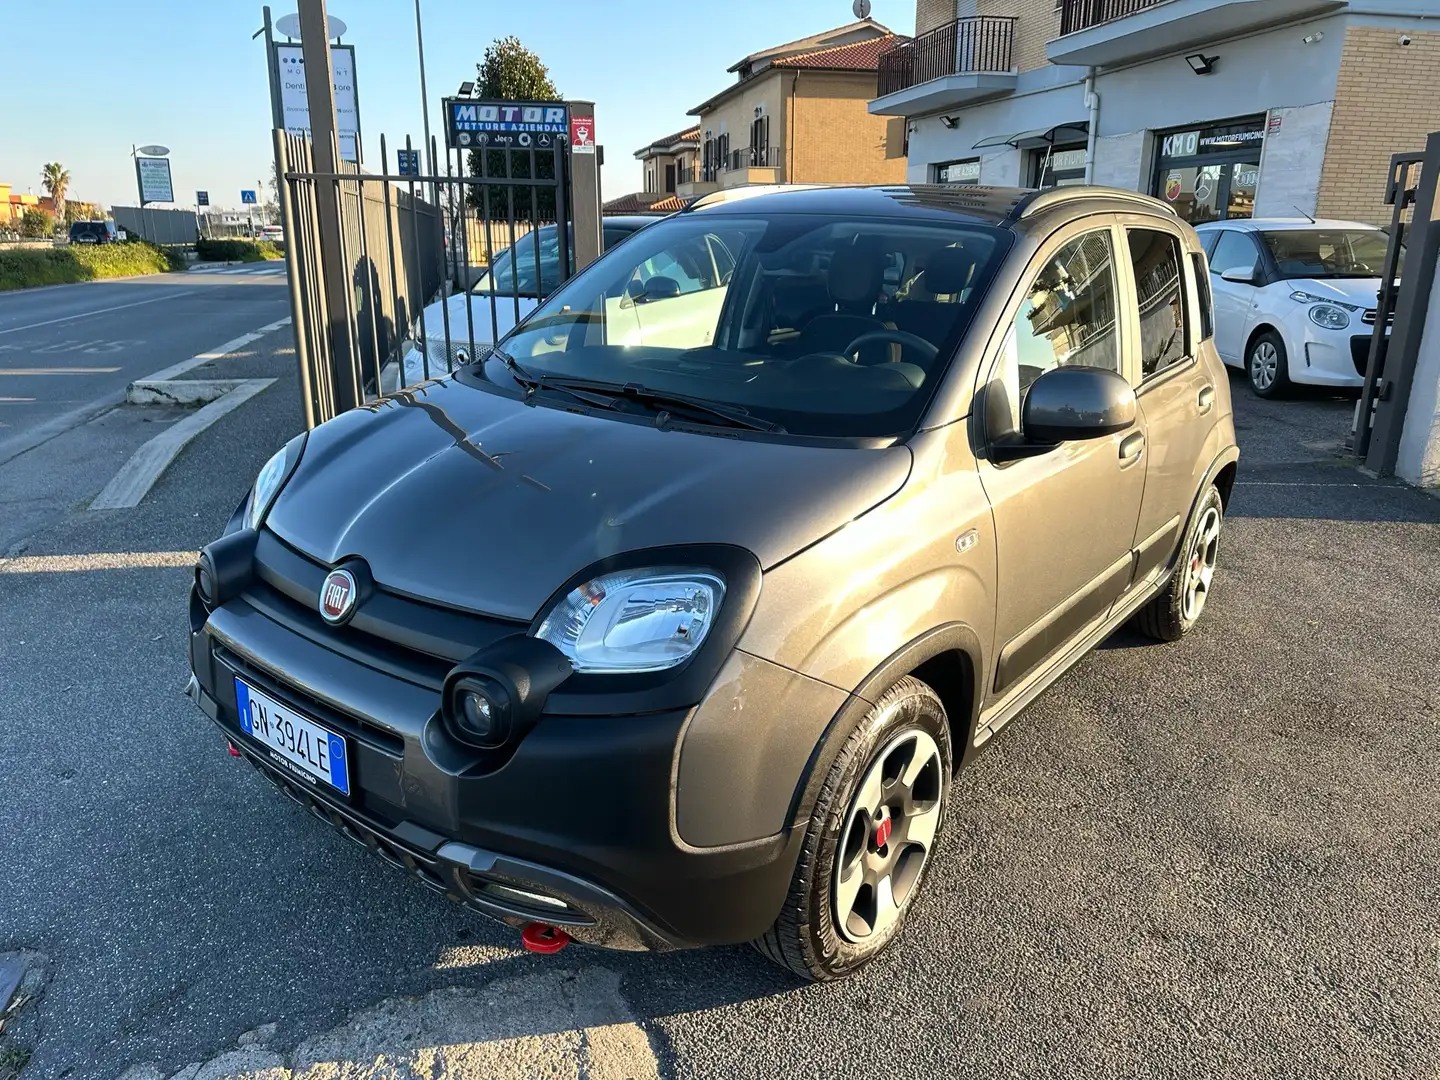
[1212,858]
[62,348]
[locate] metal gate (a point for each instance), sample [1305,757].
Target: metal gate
[430,268]
[1413,193]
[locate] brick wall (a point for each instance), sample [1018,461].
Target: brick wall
[932,13]
[836,140]
[1037,22]
[1377,114]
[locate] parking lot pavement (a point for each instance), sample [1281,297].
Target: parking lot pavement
[1209,858]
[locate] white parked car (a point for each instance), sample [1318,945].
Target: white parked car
[1295,298]
[509,290]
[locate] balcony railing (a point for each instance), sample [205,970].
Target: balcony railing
[685,174]
[959,47]
[753,157]
[1083,14]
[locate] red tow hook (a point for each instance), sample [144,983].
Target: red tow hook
[543,938]
[234,750]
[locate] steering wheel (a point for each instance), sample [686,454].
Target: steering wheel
[902,338]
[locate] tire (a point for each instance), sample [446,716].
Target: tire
[1170,614]
[1267,366]
[906,731]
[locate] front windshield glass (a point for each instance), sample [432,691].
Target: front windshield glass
[531,267]
[822,325]
[1329,253]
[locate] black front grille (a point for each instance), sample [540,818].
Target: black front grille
[401,636]
[1360,352]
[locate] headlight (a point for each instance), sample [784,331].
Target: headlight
[273,475]
[1329,316]
[635,620]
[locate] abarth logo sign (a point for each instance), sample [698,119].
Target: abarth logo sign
[337,596]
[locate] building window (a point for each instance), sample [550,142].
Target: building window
[957,172]
[1211,173]
[670,179]
[1058,166]
[1164,330]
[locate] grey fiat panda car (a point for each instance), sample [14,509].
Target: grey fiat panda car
[669,622]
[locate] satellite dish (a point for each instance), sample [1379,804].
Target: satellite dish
[154,151]
[289,25]
[861,9]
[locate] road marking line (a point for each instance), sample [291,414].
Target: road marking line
[138,475]
[110,560]
[59,371]
[98,311]
[217,353]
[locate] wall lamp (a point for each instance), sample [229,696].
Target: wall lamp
[1201,64]
[950,122]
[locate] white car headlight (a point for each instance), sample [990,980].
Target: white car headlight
[1329,316]
[635,620]
[271,479]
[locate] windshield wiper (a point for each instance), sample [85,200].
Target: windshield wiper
[533,384]
[730,415]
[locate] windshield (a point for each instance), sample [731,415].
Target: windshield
[1329,253]
[823,326]
[530,268]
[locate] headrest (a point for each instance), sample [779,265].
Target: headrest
[948,272]
[854,276]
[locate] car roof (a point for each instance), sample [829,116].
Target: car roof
[1277,224]
[1005,207]
[631,221]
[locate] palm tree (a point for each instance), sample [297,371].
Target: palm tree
[55,179]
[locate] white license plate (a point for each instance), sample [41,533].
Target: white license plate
[295,741]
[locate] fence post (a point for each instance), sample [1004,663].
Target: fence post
[320,90]
[292,266]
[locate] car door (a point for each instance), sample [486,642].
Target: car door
[1064,519]
[1234,300]
[676,295]
[1175,391]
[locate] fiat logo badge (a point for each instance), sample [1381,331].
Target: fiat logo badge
[337,596]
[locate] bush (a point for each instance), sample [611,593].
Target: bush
[237,250]
[28,267]
[37,223]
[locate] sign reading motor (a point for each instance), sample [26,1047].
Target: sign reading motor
[466,121]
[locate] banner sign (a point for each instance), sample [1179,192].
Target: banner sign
[290,62]
[521,124]
[154,173]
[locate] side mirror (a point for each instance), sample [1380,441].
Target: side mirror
[1076,403]
[660,287]
[1241,275]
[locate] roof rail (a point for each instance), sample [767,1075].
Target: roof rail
[725,195]
[1037,201]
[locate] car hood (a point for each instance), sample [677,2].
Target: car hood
[473,499]
[1359,291]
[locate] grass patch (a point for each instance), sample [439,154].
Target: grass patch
[13,1059]
[64,264]
[238,251]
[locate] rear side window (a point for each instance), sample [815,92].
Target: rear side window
[1202,293]
[1156,259]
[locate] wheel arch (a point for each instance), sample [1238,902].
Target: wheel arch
[1266,325]
[946,658]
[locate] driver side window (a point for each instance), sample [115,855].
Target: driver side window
[1066,317]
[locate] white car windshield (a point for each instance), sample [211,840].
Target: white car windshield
[531,267]
[815,324]
[1329,253]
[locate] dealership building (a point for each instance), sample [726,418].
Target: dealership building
[1223,108]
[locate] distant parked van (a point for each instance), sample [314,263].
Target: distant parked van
[93,232]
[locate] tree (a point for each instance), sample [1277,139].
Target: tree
[37,223]
[511,72]
[55,178]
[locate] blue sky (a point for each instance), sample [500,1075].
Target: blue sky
[186,74]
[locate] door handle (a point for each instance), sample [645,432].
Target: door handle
[1132,447]
[1206,398]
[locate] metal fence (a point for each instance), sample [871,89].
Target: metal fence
[976,43]
[157,226]
[1082,14]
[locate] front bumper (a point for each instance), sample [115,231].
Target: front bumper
[577,828]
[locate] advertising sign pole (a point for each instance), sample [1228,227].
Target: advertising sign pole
[277,117]
[320,91]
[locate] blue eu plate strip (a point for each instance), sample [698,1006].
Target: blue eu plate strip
[242,702]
